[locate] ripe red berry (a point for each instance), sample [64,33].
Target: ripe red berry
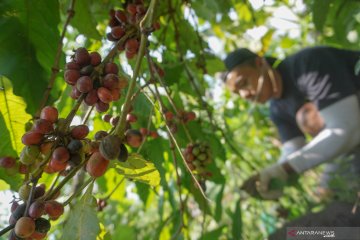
[7,162]
[133,137]
[32,138]
[115,93]
[106,117]
[101,106]
[154,134]
[24,227]
[117,32]
[120,16]
[114,120]
[71,76]
[61,154]
[131,8]
[169,116]
[80,131]
[132,45]
[95,58]
[104,95]
[82,57]
[91,98]
[131,118]
[37,209]
[43,126]
[72,65]
[111,81]
[84,84]
[97,165]
[111,68]
[130,55]
[75,94]
[54,209]
[144,131]
[49,113]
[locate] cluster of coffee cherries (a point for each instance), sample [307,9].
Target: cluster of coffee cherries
[183,116]
[32,225]
[124,21]
[198,157]
[101,86]
[48,130]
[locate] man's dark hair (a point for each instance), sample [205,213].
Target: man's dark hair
[238,57]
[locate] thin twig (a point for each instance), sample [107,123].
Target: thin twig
[55,68]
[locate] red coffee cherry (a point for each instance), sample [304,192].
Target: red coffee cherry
[84,84]
[133,137]
[97,165]
[71,76]
[49,113]
[80,132]
[7,162]
[24,227]
[95,58]
[37,209]
[43,126]
[61,154]
[32,138]
[82,57]
[54,209]
[104,95]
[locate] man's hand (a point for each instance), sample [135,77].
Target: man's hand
[268,184]
[271,182]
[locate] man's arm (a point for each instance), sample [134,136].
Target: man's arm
[341,134]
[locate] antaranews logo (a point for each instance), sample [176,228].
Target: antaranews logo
[292,233]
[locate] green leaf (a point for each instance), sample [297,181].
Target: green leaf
[124,232]
[41,19]
[320,10]
[138,169]
[218,207]
[214,234]
[84,21]
[237,222]
[82,223]
[12,109]
[19,63]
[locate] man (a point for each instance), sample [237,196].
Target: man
[322,75]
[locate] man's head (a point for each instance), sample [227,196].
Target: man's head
[248,76]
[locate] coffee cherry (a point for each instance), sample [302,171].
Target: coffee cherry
[154,134]
[120,16]
[74,146]
[56,166]
[37,209]
[115,93]
[111,81]
[117,32]
[42,225]
[133,138]
[100,135]
[101,106]
[130,55]
[71,76]
[54,209]
[75,159]
[61,154]
[131,118]
[144,131]
[189,116]
[104,95]
[114,120]
[19,211]
[87,70]
[7,162]
[24,192]
[111,68]
[91,98]
[45,148]
[132,45]
[14,206]
[39,191]
[72,65]
[124,154]
[31,138]
[106,117]
[75,93]
[97,165]
[95,58]
[24,227]
[84,84]
[80,131]
[169,116]
[43,126]
[37,236]
[82,57]
[110,147]
[49,113]
[23,169]
[131,8]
